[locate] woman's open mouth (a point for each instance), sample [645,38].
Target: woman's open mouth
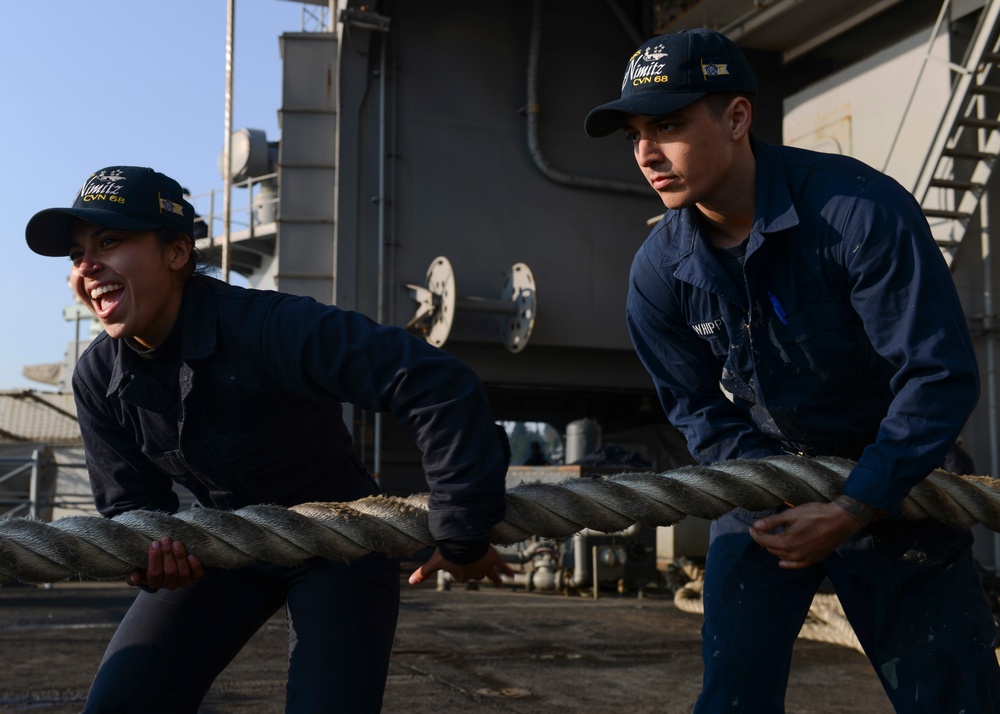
[105,298]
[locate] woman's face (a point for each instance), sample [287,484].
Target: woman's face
[130,280]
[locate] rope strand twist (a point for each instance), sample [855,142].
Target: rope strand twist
[102,548]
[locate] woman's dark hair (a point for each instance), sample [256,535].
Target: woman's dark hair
[198,262]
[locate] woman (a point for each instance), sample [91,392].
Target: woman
[236,394]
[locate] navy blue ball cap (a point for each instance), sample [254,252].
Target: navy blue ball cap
[128,198]
[670,72]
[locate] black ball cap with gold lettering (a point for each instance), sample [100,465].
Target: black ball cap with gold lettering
[129,198]
[670,72]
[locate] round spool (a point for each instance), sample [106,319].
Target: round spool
[516,306]
[441,282]
[519,288]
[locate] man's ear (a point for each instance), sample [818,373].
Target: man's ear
[741,113]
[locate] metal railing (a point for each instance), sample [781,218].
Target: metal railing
[21,503]
[39,502]
[259,208]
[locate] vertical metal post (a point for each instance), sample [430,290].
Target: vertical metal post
[227,152]
[989,318]
[593,569]
[991,366]
[380,305]
[36,456]
[76,341]
[211,216]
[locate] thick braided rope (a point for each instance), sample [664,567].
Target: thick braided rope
[33,551]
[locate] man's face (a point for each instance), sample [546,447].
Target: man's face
[686,156]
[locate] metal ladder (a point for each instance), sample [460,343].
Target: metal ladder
[967,143]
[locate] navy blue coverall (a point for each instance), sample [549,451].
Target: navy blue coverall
[243,405]
[838,332]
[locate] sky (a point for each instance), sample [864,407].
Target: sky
[88,85]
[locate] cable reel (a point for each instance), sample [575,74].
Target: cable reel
[438,301]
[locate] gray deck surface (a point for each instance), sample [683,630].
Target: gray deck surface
[485,650]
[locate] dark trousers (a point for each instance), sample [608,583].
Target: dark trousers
[172,644]
[911,590]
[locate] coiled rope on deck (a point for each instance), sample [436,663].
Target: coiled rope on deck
[34,551]
[825,621]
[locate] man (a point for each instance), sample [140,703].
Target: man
[795,302]
[536,457]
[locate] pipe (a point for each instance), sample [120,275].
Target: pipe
[521,556]
[584,569]
[850,23]
[380,308]
[532,110]
[544,575]
[581,568]
[762,13]
[545,579]
[616,9]
[381,200]
[487,306]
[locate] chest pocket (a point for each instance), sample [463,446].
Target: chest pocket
[160,442]
[805,325]
[824,340]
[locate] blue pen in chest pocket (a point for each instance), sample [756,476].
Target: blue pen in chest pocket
[779,309]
